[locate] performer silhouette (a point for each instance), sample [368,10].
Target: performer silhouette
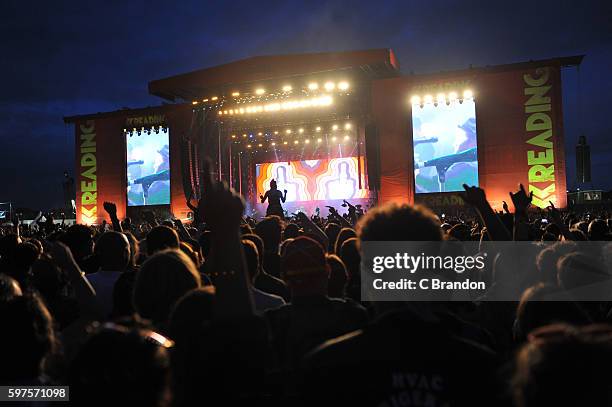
[274,197]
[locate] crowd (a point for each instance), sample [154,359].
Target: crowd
[229,309]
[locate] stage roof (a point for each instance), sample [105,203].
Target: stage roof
[365,64]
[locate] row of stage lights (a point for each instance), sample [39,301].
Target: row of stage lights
[319,140]
[301,130]
[143,130]
[328,86]
[441,98]
[320,101]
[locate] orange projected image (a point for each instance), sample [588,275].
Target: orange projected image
[315,180]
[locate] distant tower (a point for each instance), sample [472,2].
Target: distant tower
[583,161]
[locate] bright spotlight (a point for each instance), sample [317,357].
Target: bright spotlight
[415,100]
[248,146]
[347,126]
[260,133]
[335,127]
[259,145]
[334,138]
[452,96]
[441,97]
[273,143]
[244,135]
[285,143]
[276,132]
[428,98]
[318,128]
[343,85]
[319,140]
[195,102]
[214,98]
[347,138]
[260,91]
[296,142]
[301,131]
[288,131]
[233,136]
[313,86]
[287,88]
[467,94]
[307,141]
[236,94]
[329,86]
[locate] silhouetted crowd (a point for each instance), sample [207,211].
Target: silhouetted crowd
[228,309]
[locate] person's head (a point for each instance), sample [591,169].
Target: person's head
[331,230]
[122,366]
[304,267]
[598,230]
[394,222]
[9,288]
[291,231]
[25,255]
[343,235]
[161,238]
[48,278]
[205,242]
[161,281]
[273,184]
[349,253]
[123,292]
[269,229]
[79,238]
[113,251]
[186,248]
[134,248]
[27,338]
[544,304]
[258,243]
[547,259]
[561,365]
[338,277]
[190,312]
[576,270]
[251,257]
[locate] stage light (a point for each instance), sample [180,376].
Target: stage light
[428,98]
[318,128]
[204,100]
[319,140]
[347,138]
[334,138]
[225,112]
[287,88]
[235,94]
[347,126]
[329,86]
[233,136]
[285,143]
[273,143]
[214,98]
[313,86]
[244,135]
[124,130]
[467,94]
[260,91]
[296,142]
[301,130]
[276,132]
[441,97]
[335,127]
[288,131]
[248,146]
[343,85]
[195,102]
[241,110]
[260,133]
[307,141]
[231,111]
[259,145]
[452,96]
[415,100]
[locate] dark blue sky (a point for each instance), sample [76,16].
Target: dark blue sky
[63,58]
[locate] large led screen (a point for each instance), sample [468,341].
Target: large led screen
[148,168]
[313,184]
[445,147]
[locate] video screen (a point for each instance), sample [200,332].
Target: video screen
[445,147]
[312,184]
[148,168]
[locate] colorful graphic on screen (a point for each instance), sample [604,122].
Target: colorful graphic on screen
[312,184]
[148,168]
[445,147]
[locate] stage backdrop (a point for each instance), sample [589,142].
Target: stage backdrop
[519,131]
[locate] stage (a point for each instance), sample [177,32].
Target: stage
[328,127]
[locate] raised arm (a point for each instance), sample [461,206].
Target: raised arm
[284,196]
[111,209]
[264,197]
[222,209]
[495,228]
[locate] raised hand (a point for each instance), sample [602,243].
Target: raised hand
[521,199]
[474,196]
[554,213]
[220,207]
[110,208]
[505,207]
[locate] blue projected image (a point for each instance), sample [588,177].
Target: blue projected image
[445,146]
[148,168]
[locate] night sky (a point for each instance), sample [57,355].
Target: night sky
[63,58]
